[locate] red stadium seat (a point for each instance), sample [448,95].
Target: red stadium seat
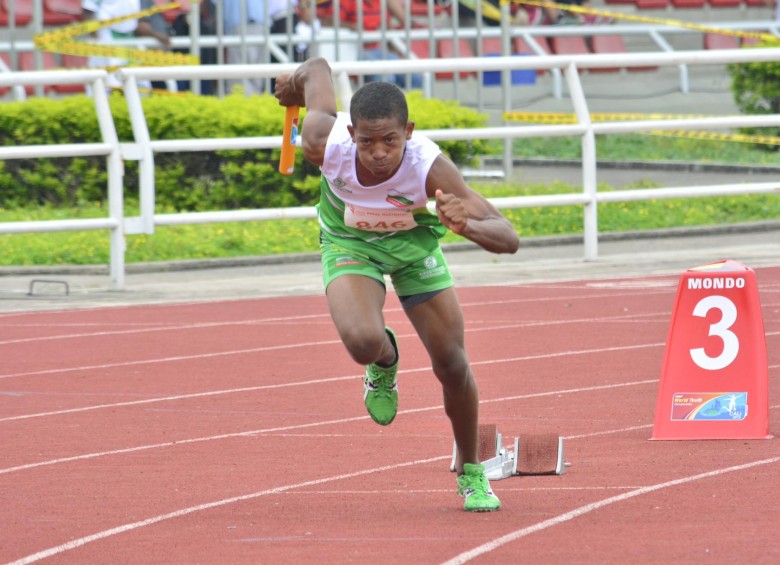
[569,45]
[720,41]
[689,3]
[520,46]
[652,4]
[72,62]
[612,44]
[445,49]
[23,12]
[61,12]
[27,63]
[724,3]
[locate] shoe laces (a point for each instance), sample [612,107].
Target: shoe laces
[381,380]
[473,483]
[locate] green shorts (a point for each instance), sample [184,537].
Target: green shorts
[426,274]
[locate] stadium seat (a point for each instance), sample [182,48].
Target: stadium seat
[569,45]
[72,62]
[612,44]
[724,3]
[23,12]
[61,12]
[445,49]
[689,3]
[520,46]
[720,41]
[652,4]
[420,8]
[491,46]
[27,63]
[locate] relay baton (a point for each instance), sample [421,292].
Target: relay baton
[289,140]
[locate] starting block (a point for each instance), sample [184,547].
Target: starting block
[533,454]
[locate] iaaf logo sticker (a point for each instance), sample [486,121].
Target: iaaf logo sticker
[724,406]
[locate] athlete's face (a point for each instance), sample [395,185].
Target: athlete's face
[380,147]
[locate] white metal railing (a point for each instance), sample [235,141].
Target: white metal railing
[345,41]
[108,147]
[143,148]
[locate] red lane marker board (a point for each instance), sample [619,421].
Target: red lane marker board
[714,381]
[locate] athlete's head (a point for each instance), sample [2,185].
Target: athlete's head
[380,127]
[379,100]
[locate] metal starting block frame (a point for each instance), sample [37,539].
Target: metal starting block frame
[502,463]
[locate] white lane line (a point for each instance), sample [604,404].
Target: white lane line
[310,382]
[587,508]
[73,544]
[166,326]
[29,466]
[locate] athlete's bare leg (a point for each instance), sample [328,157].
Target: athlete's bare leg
[439,323]
[356,304]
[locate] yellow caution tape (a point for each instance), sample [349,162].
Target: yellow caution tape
[564,118]
[716,136]
[762,36]
[61,40]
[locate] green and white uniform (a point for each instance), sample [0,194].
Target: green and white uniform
[384,229]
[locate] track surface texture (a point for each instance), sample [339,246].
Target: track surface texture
[233,431]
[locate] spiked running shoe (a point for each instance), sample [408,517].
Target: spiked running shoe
[380,389]
[475,488]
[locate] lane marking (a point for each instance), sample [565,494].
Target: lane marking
[73,544]
[262,431]
[299,383]
[184,326]
[587,508]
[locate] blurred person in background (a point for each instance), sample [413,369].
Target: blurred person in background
[348,18]
[109,9]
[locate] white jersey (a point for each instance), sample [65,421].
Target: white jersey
[390,206]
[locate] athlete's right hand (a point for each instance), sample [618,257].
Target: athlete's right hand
[288,91]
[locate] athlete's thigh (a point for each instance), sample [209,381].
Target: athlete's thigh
[439,323]
[355,303]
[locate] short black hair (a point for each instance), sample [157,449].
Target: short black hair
[378,101]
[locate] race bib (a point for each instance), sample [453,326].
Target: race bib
[369,219]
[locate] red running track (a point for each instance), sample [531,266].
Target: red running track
[234,432]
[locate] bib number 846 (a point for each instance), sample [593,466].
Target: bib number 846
[720,329]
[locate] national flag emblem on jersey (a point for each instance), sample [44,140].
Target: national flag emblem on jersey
[398,200]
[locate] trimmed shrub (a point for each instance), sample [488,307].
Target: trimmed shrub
[756,90]
[186,181]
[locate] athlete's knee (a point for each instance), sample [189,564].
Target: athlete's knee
[365,345]
[452,369]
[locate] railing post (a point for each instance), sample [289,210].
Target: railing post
[115,167]
[144,154]
[590,213]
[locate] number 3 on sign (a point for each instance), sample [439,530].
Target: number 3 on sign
[721,330]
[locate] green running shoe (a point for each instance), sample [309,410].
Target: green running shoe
[475,488]
[380,389]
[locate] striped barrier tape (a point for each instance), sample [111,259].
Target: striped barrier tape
[761,36]
[564,118]
[62,41]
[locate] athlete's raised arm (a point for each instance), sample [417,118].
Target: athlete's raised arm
[466,212]
[311,86]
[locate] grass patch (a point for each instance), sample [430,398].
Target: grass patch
[240,239]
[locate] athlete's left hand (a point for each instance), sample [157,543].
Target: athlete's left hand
[451,211]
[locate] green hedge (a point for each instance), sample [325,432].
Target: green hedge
[223,180]
[756,90]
